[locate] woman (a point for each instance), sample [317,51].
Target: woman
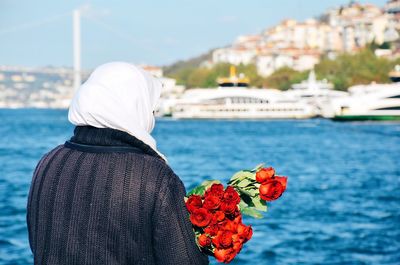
[107,196]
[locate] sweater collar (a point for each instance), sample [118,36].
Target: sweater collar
[90,135]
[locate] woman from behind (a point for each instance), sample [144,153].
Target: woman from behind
[107,196]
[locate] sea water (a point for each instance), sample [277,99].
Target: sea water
[342,204]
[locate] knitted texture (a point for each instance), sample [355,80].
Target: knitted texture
[108,207]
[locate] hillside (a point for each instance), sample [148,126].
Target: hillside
[183,65]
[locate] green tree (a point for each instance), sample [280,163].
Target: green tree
[350,69]
[198,77]
[207,77]
[284,77]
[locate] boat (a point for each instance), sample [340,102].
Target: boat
[234,99]
[316,93]
[395,74]
[369,102]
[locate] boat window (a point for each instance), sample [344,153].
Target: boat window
[236,100]
[390,108]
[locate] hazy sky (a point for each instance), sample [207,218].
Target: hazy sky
[39,32]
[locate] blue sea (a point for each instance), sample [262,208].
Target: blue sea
[342,204]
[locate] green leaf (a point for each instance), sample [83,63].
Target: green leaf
[243,192]
[243,204]
[243,183]
[259,204]
[201,189]
[253,192]
[208,183]
[252,212]
[257,167]
[241,175]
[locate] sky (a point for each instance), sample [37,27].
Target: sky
[39,33]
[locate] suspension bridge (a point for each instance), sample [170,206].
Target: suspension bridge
[76,16]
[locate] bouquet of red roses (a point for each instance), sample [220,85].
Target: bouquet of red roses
[216,212]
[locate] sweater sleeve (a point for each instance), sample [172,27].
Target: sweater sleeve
[174,239]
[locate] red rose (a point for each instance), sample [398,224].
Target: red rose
[237,239]
[216,190]
[200,217]
[231,195]
[204,240]
[218,216]
[211,202]
[244,232]
[212,230]
[265,174]
[235,213]
[250,234]
[228,225]
[224,255]
[194,202]
[273,189]
[228,207]
[238,218]
[282,180]
[237,243]
[223,239]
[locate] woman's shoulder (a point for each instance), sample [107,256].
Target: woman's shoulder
[157,163]
[162,171]
[49,154]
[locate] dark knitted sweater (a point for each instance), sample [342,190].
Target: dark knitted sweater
[107,198]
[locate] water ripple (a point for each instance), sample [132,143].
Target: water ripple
[342,205]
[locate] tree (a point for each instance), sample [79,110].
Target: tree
[283,78]
[207,77]
[352,69]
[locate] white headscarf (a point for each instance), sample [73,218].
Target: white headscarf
[119,96]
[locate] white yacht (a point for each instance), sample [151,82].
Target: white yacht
[233,100]
[316,93]
[369,102]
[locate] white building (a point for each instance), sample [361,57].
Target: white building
[234,55]
[309,34]
[360,24]
[298,59]
[154,70]
[248,41]
[299,45]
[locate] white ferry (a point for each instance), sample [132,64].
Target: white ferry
[234,100]
[369,102]
[316,93]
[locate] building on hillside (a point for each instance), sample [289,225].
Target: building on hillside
[154,70]
[300,44]
[359,24]
[248,41]
[234,55]
[392,8]
[169,84]
[268,62]
[310,34]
